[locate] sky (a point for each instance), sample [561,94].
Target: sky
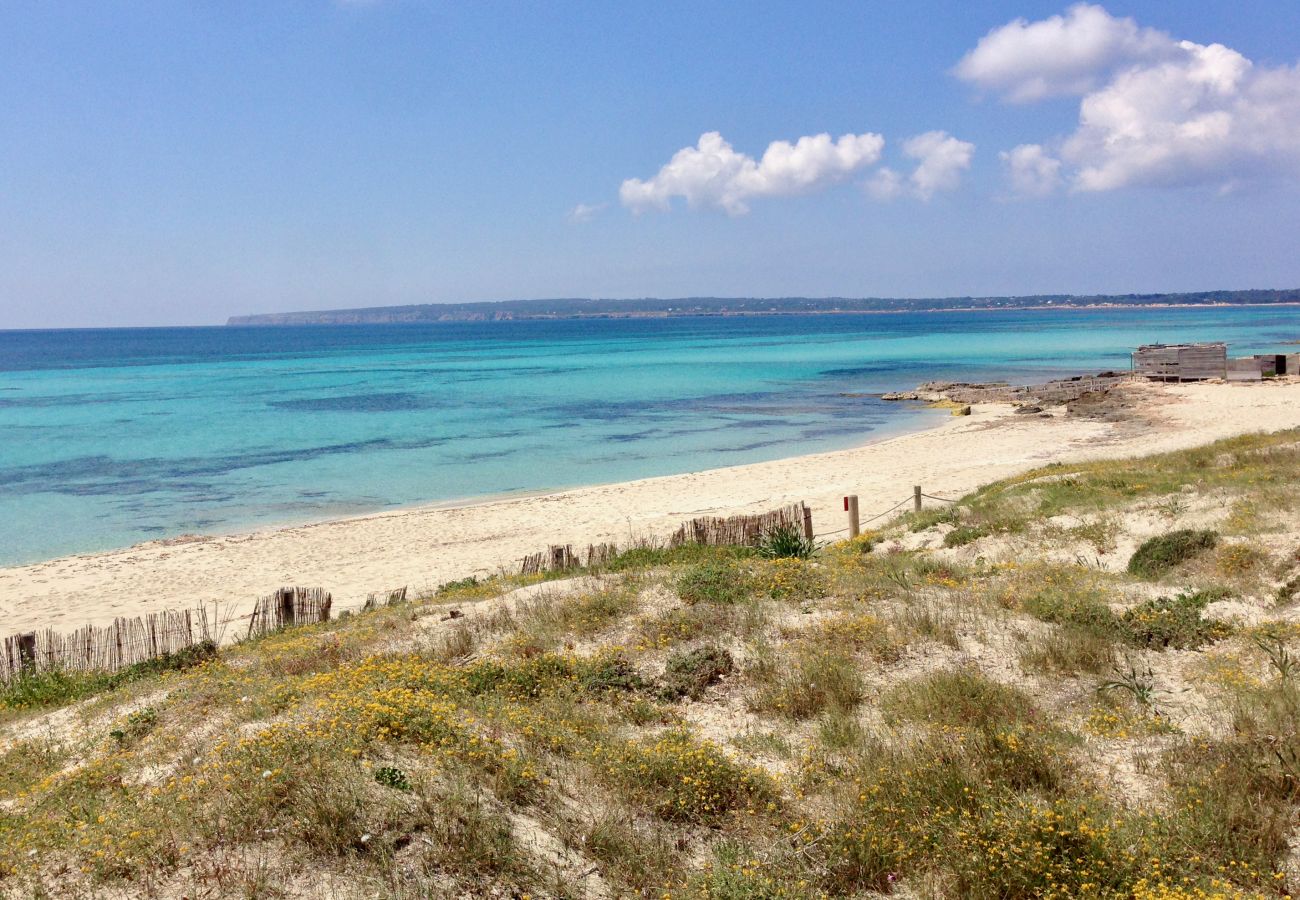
[175,163]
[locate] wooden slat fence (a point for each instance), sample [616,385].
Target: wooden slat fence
[734,530]
[742,530]
[384,598]
[561,558]
[107,648]
[289,606]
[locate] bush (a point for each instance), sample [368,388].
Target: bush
[786,542]
[1160,554]
[1174,622]
[716,581]
[687,674]
[963,535]
[611,673]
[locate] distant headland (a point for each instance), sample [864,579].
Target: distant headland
[514,310]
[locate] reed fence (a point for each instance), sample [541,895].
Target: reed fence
[743,530]
[289,606]
[107,648]
[127,642]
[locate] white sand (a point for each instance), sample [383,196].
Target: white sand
[424,547]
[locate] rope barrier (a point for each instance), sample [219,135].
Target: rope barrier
[902,502]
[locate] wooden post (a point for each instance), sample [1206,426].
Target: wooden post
[27,651]
[286,598]
[851,507]
[807,524]
[916,497]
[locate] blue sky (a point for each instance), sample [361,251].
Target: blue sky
[176,163]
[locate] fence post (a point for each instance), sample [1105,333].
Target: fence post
[287,596]
[27,651]
[807,524]
[916,497]
[851,507]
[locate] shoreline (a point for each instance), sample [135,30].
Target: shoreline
[425,545]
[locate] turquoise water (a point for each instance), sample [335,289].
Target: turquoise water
[110,437]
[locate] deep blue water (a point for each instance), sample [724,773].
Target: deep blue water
[110,437]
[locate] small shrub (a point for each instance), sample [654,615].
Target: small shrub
[716,581]
[929,622]
[1164,552]
[135,726]
[1235,560]
[859,633]
[1062,607]
[687,674]
[1174,622]
[795,580]
[963,535]
[786,542]
[682,778]
[393,777]
[611,673]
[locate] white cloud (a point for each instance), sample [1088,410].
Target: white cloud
[1032,171]
[941,158]
[713,174]
[1059,55]
[885,184]
[585,212]
[1154,111]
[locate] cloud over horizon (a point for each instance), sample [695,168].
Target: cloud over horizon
[941,159]
[1153,110]
[712,174]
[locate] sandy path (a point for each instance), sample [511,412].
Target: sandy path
[424,547]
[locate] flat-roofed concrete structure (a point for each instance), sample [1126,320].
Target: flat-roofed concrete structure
[1181,362]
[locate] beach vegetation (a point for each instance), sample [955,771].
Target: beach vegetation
[719,581]
[1159,554]
[786,541]
[689,673]
[706,722]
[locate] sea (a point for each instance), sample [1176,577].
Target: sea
[116,436]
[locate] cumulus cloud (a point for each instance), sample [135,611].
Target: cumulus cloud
[1154,111]
[941,159]
[585,212]
[1059,55]
[713,174]
[1032,171]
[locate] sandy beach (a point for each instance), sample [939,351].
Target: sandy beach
[424,547]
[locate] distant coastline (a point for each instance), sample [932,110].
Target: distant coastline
[653,308]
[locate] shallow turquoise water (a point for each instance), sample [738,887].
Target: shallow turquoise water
[109,437]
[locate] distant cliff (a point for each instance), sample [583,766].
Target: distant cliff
[506,310]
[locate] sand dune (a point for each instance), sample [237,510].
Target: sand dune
[426,546]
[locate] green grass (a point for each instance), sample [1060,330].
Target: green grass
[958,697]
[816,680]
